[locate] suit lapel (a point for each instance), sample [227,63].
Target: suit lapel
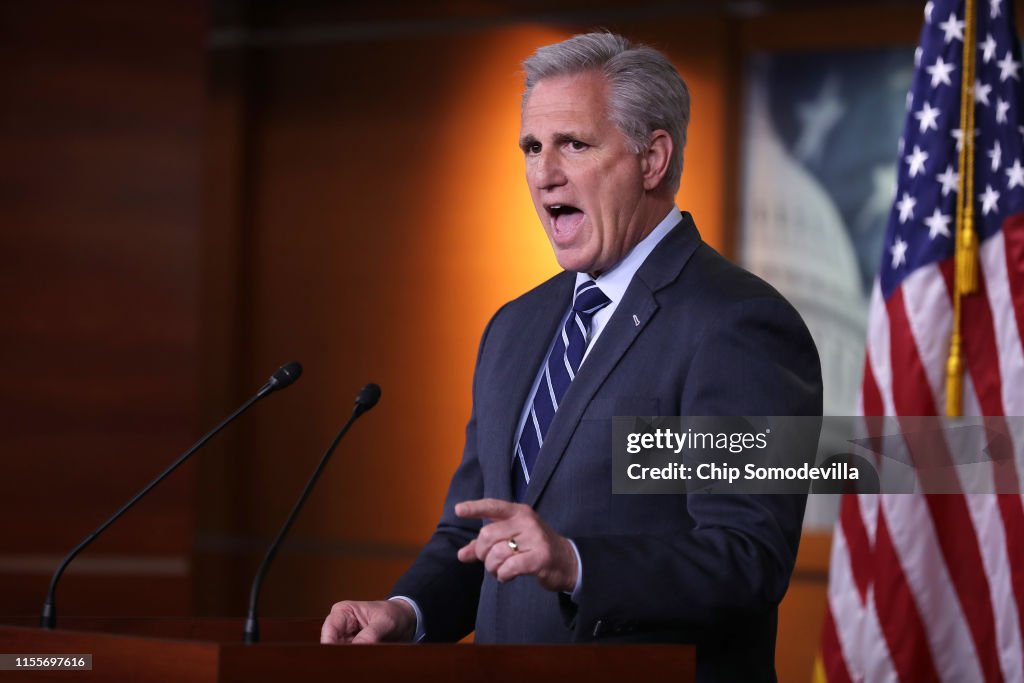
[529,348]
[632,315]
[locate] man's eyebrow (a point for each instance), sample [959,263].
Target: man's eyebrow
[527,141]
[569,136]
[558,139]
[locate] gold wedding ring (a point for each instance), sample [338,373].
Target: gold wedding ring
[512,544]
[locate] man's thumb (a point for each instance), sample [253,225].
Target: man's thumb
[366,636]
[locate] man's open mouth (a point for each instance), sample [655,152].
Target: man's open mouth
[557,210]
[565,221]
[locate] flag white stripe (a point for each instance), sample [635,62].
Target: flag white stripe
[868,506]
[844,603]
[1011,357]
[966,447]
[930,315]
[876,658]
[878,343]
[1016,429]
[917,545]
[988,527]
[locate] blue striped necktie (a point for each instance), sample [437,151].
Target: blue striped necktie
[559,370]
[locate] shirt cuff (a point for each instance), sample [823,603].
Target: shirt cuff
[420,632]
[575,594]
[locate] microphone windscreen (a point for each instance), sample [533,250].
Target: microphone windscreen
[368,397]
[286,375]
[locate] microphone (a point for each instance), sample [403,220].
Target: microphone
[367,399]
[283,377]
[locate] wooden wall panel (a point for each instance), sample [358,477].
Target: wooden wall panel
[99,194]
[803,609]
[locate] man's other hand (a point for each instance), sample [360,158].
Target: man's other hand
[378,621]
[517,542]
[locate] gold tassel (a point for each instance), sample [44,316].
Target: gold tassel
[954,379]
[966,251]
[818,675]
[967,256]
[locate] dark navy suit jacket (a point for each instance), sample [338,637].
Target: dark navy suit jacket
[711,339]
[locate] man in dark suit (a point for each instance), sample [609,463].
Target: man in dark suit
[532,545]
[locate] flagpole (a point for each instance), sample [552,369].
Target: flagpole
[966,258]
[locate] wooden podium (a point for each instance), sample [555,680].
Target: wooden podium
[208,650]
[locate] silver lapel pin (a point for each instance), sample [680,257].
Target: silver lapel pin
[636,320]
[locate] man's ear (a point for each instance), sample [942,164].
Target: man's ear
[655,159]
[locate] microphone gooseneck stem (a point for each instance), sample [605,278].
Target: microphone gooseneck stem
[48,620]
[251,633]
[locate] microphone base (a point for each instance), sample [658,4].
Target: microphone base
[251,634]
[48,619]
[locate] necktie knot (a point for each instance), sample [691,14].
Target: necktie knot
[589,299]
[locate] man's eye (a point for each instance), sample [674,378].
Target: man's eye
[577,146]
[532,148]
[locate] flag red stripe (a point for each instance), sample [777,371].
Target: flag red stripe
[871,396]
[1013,239]
[962,554]
[832,651]
[858,545]
[911,392]
[1012,513]
[979,342]
[981,351]
[901,624]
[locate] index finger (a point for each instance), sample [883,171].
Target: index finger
[485,508]
[329,633]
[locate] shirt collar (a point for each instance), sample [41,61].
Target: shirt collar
[615,281]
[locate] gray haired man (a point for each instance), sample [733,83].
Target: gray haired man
[532,545]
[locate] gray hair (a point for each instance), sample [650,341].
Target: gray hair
[645,92]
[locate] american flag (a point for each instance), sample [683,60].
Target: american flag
[931,587]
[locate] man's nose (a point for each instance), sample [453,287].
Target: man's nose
[547,171]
